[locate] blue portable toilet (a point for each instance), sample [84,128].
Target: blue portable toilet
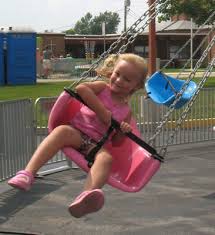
[21,57]
[2,74]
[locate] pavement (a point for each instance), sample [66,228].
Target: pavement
[179,200]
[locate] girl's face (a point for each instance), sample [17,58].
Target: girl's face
[125,78]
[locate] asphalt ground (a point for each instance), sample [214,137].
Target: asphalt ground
[179,200]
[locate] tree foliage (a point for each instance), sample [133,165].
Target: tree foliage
[199,10]
[93,25]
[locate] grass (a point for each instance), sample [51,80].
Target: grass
[209,83]
[49,90]
[177,70]
[32,91]
[53,89]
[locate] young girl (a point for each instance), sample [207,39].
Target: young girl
[126,74]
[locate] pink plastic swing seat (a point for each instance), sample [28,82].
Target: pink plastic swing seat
[132,166]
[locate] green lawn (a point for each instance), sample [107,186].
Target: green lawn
[32,91]
[48,90]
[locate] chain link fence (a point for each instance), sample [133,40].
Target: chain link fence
[24,126]
[63,68]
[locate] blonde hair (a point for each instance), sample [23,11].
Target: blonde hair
[109,64]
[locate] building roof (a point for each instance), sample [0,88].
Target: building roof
[6,29]
[91,37]
[176,25]
[51,33]
[179,25]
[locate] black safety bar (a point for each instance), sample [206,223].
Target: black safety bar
[114,125]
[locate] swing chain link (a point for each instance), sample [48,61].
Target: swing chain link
[196,51]
[189,41]
[206,75]
[191,76]
[178,96]
[130,36]
[127,35]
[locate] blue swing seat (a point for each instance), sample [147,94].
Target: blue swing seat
[162,89]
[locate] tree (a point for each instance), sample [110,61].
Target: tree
[93,25]
[199,10]
[111,20]
[83,26]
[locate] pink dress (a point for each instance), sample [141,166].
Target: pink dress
[87,121]
[132,166]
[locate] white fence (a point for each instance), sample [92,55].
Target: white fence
[21,131]
[64,67]
[17,136]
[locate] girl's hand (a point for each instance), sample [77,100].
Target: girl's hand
[125,127]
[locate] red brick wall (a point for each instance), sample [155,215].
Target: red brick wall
[55,42]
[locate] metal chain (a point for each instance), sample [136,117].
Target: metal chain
[124,36]
[178,96]
[187,42]
[195,52]
[189,105]
[131,38]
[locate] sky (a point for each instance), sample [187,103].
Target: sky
[60,15]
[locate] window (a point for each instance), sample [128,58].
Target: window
[184,54]
[142,50]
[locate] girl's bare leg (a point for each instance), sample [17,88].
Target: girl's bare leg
[93,200]
[60,137]
[99,172]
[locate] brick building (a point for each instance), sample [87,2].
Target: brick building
[170,37]
[54,41]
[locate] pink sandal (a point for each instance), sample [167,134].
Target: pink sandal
[22,180]
[87,202]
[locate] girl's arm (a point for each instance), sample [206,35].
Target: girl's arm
[88,92]
[119,137]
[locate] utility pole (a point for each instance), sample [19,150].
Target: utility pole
[104,34]
[191,43]
[127,4]
[152,42]
[152,61]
